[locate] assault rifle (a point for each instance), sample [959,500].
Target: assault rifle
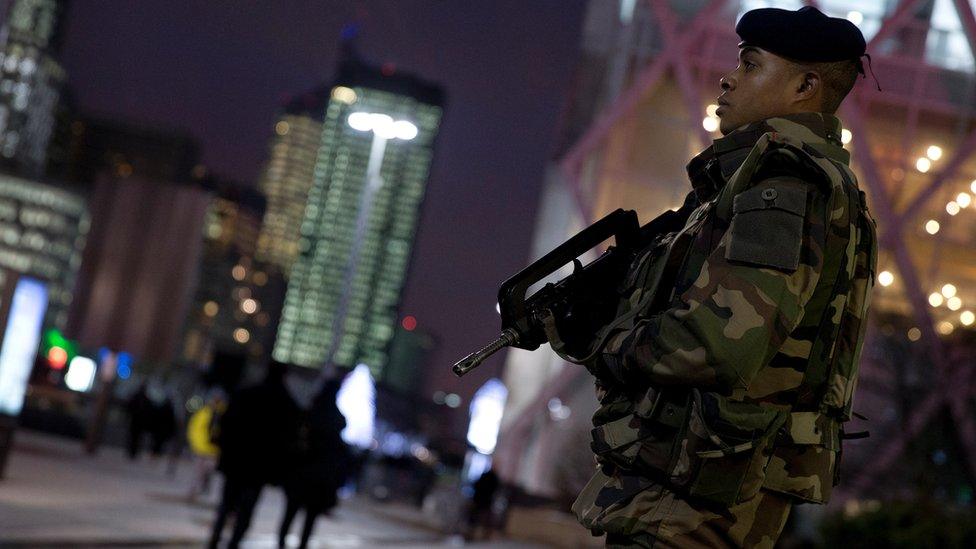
[580,303]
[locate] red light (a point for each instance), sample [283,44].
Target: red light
[57,357]
[409,323]
[388,69]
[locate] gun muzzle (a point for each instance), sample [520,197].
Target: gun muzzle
[472,361]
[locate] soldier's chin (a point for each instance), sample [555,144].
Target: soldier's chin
[726,124]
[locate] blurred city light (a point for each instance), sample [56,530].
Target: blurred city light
[557,410]
[486,415]
[954,303]
[934,152]
[932,226]
[281,128]
[404,130]
[846,136]
[923,164]
[936,299]
[710,110]
[57,357]
[20,341]
[855,17]
[123,365]
[360,121]
[382,125]
[238,272]
[710,123]
[345,95]
[452,400]
[964,200]
[241,335]
[967,318]
[885,278]
[914,334]
[952,208]
[81,374]
[945,327]
[211,308]
[948,290]
[249,306]
[357,402]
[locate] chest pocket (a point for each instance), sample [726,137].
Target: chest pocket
[767,224]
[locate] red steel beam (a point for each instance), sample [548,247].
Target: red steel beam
[669,23]
[959,157]
[646,80]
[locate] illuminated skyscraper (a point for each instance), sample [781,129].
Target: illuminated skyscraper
[237,298]
[368,182]
[288,177]
[43,229]
[30,82]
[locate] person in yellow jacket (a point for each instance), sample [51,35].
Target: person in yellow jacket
[201,432]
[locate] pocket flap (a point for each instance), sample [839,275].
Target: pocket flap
[776,193]
[615,434]
[812,428]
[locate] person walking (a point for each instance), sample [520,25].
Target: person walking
[320,464]
[481,515]
[201,435]
[256,430]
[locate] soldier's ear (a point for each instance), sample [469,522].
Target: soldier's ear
[809,86]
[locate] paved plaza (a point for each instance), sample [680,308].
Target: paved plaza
[54,495]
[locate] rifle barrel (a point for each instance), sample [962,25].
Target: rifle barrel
[472,361]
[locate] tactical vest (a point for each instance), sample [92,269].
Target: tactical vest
[722,448]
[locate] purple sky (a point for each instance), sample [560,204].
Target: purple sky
[220,69]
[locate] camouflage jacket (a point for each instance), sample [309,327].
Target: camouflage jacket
[739,366]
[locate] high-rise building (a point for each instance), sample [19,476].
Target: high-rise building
[237,298]
[288,176]
[137,276]
[30,82]
[369,179]
[42,234]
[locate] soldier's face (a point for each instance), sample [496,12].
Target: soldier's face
[760,87]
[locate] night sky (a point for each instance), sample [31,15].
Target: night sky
[221,69]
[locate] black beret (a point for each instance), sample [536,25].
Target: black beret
[806,34]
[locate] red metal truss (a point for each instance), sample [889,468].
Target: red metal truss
[955,385]
[673,56]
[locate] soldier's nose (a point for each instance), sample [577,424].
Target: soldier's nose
[725,83]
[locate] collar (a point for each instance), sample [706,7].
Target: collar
[711,169]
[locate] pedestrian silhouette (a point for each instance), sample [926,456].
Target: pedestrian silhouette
[201,434]
[319,463]
[481,514]
[256,431]
[139,408]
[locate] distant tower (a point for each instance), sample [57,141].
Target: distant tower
[30,82]
[288,177]
[359,224]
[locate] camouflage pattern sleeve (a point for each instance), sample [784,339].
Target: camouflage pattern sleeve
[744,298]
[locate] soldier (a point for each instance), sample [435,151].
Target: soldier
[724,390]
